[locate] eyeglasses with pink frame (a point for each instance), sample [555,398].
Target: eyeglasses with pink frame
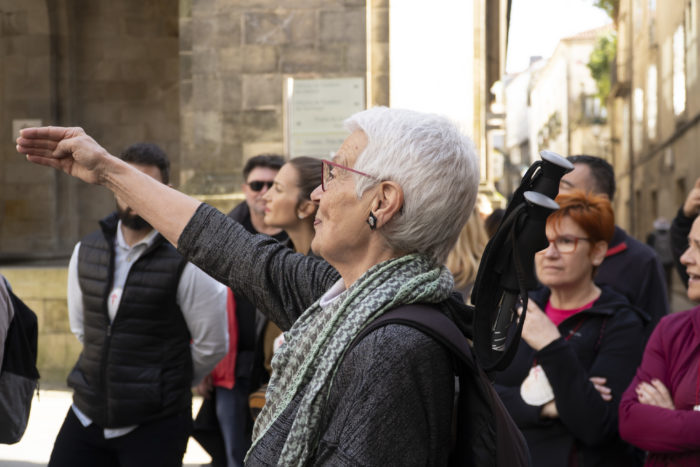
[327,175]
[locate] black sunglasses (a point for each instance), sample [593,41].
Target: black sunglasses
[258,185]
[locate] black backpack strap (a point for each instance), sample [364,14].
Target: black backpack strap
[484,433]
[428,319]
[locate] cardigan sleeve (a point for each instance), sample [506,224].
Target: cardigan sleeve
[281,283]
[654,428]
[581,408]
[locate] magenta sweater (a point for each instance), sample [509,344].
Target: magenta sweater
[672,437]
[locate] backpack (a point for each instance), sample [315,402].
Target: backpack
[19,375]
[484,434]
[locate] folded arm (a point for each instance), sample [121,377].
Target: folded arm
[671,430]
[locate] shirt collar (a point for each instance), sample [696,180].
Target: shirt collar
[144,242]
[332,294]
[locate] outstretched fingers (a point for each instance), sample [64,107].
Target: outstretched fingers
[44,141]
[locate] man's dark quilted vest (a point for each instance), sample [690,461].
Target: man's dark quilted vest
[139,368]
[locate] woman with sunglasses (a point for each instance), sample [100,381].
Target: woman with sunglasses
[390,207]
[580,345]
[288,206]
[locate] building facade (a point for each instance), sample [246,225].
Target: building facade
[205,79]
[656,107]
[552,105]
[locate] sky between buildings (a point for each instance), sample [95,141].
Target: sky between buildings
[536,26]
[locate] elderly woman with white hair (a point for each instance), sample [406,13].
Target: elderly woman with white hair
[390,207]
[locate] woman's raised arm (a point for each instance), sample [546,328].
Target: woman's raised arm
[77,154]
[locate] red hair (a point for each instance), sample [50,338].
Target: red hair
[593,213]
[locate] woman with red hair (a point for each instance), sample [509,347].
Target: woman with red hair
[580,345]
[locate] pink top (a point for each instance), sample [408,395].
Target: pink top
[558,315]
[672,356]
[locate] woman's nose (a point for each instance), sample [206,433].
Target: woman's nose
[551,250]
[316,194]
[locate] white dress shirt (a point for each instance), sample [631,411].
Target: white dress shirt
[201,299]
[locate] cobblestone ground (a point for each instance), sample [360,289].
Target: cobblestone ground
[48,412]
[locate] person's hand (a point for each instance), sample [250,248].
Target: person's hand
[66,149]
[691,207]
[655,394]
[549,410]
[205,388]
[538,329]
[599,385]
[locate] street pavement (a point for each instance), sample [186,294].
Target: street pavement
[48,411]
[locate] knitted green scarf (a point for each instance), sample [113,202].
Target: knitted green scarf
[316,343]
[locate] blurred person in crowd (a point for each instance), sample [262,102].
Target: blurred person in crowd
[580,345]
[289,207]
[483,206]
[380,227]
[659,239]
[239,373]
[152,325]
[680,228]
[493,221]
[259,174]
[630,267]
[660,411]
[463,260]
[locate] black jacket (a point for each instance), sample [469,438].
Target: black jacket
[605,343]
[139,367]
[633,269]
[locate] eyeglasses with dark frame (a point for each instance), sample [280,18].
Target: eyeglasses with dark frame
[327,172]
[565,244]
[258,185]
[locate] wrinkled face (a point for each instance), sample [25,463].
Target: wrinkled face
[691,261]
[565,270]
[578,179]
[341,228]
[255,200]
[282,200]
[127,215]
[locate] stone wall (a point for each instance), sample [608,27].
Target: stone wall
[109,67]
[25,93]
[234,57]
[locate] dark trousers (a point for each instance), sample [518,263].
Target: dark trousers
[224,426]
[158,443]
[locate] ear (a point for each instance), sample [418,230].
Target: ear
[598,253]
[305,209]
[387,202]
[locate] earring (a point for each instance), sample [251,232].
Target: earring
[372,221]
[301,216]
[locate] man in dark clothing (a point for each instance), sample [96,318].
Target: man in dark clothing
[232,408]
[680,228]
[630,267]
[152,325]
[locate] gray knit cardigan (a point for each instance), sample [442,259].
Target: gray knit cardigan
[391,400]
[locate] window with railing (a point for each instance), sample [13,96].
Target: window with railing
[592,111]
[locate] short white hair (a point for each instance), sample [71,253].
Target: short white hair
[435,165]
